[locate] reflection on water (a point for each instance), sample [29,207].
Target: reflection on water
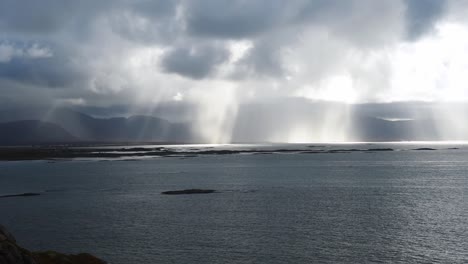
[393,207]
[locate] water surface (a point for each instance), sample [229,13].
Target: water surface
[401,206]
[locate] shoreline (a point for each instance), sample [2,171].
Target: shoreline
[54,153]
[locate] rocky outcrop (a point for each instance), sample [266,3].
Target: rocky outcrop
[11,253]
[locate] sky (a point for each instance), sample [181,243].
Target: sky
[205,59]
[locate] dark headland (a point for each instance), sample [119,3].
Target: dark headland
[12,253]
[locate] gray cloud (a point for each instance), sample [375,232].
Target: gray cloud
[422,14]
[40,66]
[147,21]
[232,19]
[194,62]
[263,60]
[44,19]
[37,17]
[91,47]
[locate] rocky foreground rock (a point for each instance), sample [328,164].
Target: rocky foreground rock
[11,253]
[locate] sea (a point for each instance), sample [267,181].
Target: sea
[408,205]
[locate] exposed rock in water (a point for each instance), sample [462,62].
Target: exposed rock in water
[19,195]
[425,149]
[11,253]
[189,191]
[380,149]
[344,150]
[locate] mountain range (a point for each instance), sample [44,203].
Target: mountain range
[251,126]
[67,126]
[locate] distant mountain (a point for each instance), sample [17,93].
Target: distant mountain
[119,129]
[64,125]
[254,123]
[33,132]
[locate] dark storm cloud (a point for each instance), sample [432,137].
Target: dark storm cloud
[213,19]
[232,19]
[250,19]
[194,62]
[43,72]
[422,14]
[39,66]
[43,19]
[155,9]
[275,25]
[89,40]
[33,16]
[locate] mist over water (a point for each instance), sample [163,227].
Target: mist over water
[302,121]
[289,120]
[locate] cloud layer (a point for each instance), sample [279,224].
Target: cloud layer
[216,55]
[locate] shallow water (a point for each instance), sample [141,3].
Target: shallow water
[393,207]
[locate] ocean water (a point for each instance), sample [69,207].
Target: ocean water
[402,206]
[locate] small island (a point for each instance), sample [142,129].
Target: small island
[425,149]
[20,195]
[189,191]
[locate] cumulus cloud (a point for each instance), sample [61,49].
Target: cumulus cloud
[10,51]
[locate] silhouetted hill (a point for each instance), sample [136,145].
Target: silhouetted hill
[119,129]
[64,125]
[33,132]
